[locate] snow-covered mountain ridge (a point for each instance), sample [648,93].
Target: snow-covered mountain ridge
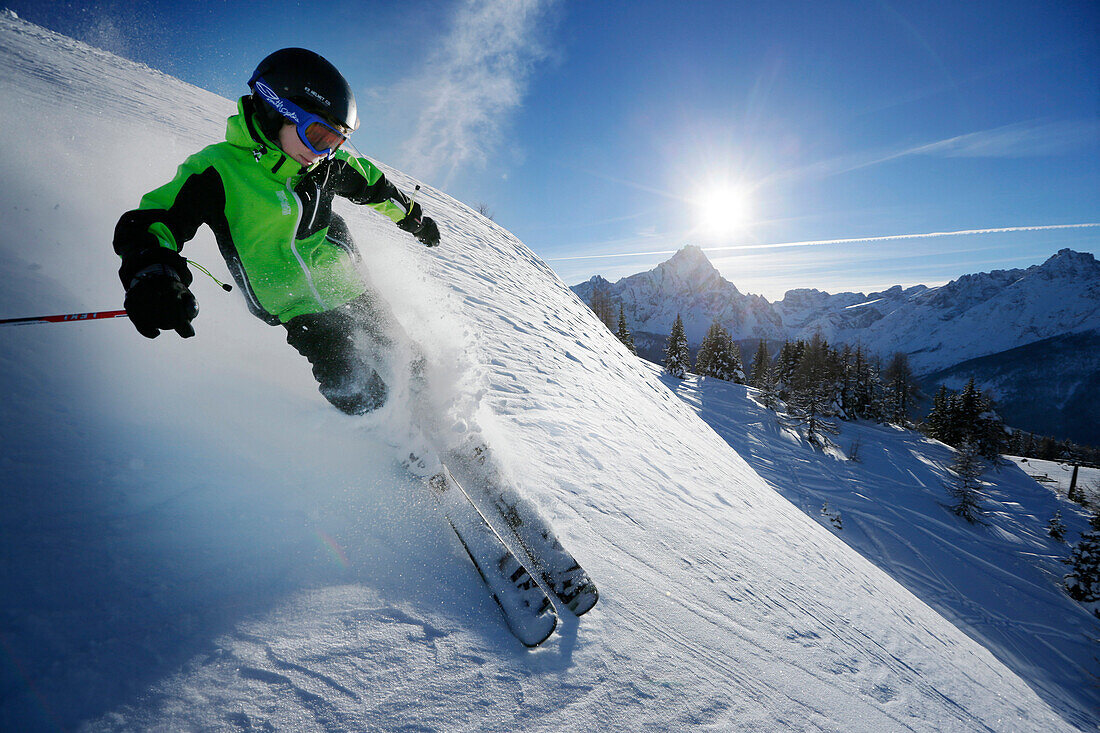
[935,326]
[194,540]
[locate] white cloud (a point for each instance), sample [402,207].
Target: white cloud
[470,85]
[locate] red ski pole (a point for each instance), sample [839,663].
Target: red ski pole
[62,318]
[98,314]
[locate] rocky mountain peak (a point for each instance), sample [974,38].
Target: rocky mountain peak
[689,264]
[1070,264]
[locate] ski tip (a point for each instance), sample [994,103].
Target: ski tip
[585,601]
[533,642]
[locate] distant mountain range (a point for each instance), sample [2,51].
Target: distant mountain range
[1023,316]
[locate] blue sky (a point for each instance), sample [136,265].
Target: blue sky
[608,134]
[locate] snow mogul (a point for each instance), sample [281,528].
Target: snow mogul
[266,192]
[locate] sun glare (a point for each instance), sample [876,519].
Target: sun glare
[723,210]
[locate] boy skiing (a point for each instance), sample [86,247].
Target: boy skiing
[266,192]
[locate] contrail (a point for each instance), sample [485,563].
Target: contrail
[853,240]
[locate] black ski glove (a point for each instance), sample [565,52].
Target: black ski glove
[157,299]
[422,227]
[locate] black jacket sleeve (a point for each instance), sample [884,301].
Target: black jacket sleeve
[199,200]
[354,182]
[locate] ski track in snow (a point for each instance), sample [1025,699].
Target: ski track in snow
[194,540]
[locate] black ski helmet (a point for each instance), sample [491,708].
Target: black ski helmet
[308,80]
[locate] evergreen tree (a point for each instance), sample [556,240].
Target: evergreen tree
[847,383]
[938,423]
[769,392]
[901,388]
[1056,528]
[965,487]
[967,417]
[975,421]
[1028,447]
[719,357]
[707,349]
[733,366]
[1048,449]
[991,433]
[786,364]
[1015,442]
[867,387]
[812,391]
[968,407]
[1083,581]
[761,366]
[623,334]
[677,356]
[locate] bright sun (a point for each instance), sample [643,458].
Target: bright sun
[723,210]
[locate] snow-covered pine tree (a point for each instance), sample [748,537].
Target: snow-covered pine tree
[965,487]
[732,367]
[761,366]
[677,356]
[705,357]
[1083,581]
[623,333]
[719,357]
[813,391]
[769,392]
[1056,528]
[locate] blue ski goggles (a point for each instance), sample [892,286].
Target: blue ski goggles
[314,131]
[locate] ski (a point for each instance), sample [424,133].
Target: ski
[527,609]
[556,567]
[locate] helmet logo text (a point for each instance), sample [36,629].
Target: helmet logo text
[275,100]
[318,97]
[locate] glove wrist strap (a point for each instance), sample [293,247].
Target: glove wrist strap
[156,270]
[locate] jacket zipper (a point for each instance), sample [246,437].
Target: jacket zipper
[316,205]
[294,248]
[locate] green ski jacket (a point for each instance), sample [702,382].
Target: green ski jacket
[271,218]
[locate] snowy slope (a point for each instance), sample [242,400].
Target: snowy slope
[193,539]
[882,490]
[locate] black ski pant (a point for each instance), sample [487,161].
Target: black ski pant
[347,346]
